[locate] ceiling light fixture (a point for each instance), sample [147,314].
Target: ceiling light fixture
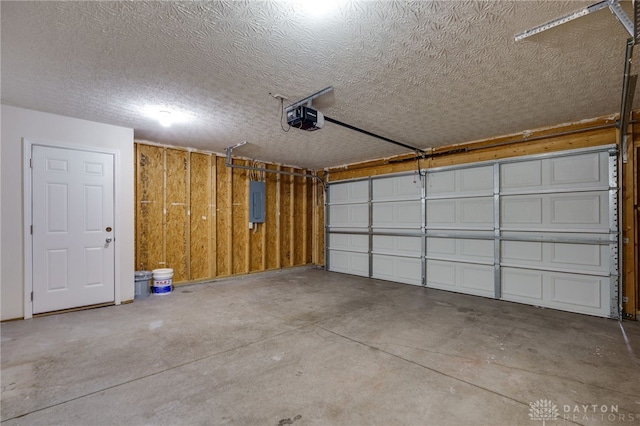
[317,9]
[164,118]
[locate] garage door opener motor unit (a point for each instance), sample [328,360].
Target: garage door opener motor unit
[305,118]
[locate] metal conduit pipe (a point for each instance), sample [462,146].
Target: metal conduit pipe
[229,163]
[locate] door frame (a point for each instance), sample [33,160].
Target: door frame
[27,147]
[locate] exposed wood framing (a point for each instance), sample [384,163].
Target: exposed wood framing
[200,222]
[176,204]
[149,208]
[224,225]
[318,224]
[192,215]
[636,246]
[213,216]
[239,220]
[286,219]
[264,227]
[308,221]
[526,143]
[272,219]
[298,200]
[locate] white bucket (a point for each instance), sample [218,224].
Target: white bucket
[162,279]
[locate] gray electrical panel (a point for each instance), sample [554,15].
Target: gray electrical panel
[257,198]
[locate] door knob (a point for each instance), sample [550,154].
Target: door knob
[108,240]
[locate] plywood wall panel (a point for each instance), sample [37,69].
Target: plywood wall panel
[213,217]
[298,200]
[177,202]
[195,217]
[319,228]
[309,219]
[200,223]
[256,248]
[149,206]
[240,220]
[286,219]
[272,219]
[223,218]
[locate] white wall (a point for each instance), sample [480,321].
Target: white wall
[18,123]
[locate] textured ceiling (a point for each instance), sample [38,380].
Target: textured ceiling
[424,73]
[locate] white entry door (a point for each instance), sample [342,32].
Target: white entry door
[72,236]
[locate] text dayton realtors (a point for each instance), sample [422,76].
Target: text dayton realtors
[594,412]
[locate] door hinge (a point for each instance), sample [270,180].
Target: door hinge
[32,296]
[31,229]
[30,163]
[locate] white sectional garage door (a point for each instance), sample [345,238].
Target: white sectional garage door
[538,230]
[396,225]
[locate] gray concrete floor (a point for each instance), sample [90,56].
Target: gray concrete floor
[305,346]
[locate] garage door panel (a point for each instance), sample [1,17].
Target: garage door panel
[518,251]
[593,258]
[465,213]
[461,277]
[579,170]
[395,245]
[410,271]
[588,170]
[477,278]
[522,285]
[405,214]
[476,180]
[576,290]
[565,291]
[349,263]
[406,187]
[590,256]
[441,183]
[476,211]
[471,181]
[441,212]
[584,209]
[518,211]
[398,269]
[587,211]
[441,246]
[460,249]
[441,274]
[521,175]
[349,242]
[349,216]
[478,249]
[349,192]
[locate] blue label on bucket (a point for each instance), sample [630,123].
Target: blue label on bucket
[162,289]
